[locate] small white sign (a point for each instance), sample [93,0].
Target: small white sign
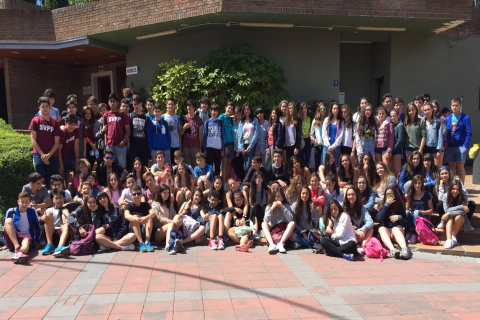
[132,70]
[87,90]
[341,97]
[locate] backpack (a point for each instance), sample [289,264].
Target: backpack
[83,246]
[314,236]
[374,249]
[425,232]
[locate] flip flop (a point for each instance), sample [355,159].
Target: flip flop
[242,248]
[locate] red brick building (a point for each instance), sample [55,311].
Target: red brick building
[327,47]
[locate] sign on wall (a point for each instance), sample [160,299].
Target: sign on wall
[87,90]
[132,70]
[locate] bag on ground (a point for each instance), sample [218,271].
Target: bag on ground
[425,232]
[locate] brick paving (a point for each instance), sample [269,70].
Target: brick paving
[205,284]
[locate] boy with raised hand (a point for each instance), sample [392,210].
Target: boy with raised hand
[21,226]
[57,182]
[68,150]
[191,132]
[39,198]
[138,134]
[116,126]
[459,134]
[140,216]
[45,138]
[158,135]
[203,172]
[173,121]
[149,104]
[213,142]
[53,219]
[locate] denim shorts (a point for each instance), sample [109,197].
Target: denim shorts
[381,151]
[409,150]
[69,163]
[455,154]
[368,146]
[231,151]
[398,152]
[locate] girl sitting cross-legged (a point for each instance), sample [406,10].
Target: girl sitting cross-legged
[361,220]
[241,214]
[306,218]
[419,204]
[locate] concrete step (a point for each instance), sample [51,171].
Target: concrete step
[470,249]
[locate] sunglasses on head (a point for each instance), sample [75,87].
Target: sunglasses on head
[136,194]
[109,158]
[443,168]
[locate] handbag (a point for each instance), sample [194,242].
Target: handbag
[243,230]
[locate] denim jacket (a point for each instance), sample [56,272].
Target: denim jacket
[433,134]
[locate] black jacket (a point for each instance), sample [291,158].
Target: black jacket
[102,173]
[279,136]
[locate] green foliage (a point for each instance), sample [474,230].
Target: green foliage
[15,165]
[54,4]
[235,74]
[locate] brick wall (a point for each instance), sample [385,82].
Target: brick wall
[18,4]
[26,25]
[114,67]
[26,81]
[468,29]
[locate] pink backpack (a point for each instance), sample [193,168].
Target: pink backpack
[425,232]
[83,246]
[374,249]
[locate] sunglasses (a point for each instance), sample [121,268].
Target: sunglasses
[443,168]
[109,158]
[136,194]
[323,108]
[389,194]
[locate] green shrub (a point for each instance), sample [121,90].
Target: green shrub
[15,165]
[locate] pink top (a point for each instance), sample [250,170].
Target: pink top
[385,136]
[114,195]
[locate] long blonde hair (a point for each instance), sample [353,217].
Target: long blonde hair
[291,118]
[386,174]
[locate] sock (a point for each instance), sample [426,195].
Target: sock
[220,237]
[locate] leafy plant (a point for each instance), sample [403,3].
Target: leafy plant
[15,165]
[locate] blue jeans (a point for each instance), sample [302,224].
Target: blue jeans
[338,153]
[121,155]
[301,240]
[46,171]
[368,146]
[69,163]
[247,157]
[412,216]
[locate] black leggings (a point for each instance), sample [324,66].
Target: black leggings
[373,212]
[317,156]
[238,167]
[214,158]
[471,208]
[334,248]
[258,212]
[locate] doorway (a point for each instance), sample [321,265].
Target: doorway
[102,85]
[3,96]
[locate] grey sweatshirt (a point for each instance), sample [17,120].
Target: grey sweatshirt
[278,215]
[303,223]
[456,211]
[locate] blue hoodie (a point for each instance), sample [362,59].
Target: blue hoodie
[462,134]
[32,216]
[159,135]
[213,134]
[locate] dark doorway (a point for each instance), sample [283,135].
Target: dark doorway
[378,91]
[3,96]
[104,89]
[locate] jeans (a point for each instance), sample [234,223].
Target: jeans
[247,157]
[412,216]
[304,154]
[46,171]
[121,155]
[368,146]
[338,153]
[301,240]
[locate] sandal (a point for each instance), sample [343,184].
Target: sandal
[242,247]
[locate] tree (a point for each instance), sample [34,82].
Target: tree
[54,4]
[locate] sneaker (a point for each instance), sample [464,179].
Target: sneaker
[441,225]
[405,253]
[348,256]
[318,247]
[296,245]
[393,253]
[281,248]
[413,239]
[250,244]
[272,248]
[149,247]
[22,258]
[92,153]
[97,154]
[448,244]
[102,248]
[15,255]
[142,247]
[242,247]
[260,234]
[61,251]
[257,236]
[361,252]
[49,249]
[129,247]
[220,245]
[212,244]
[179,246]
[170,250]
[201,239]
[454,240]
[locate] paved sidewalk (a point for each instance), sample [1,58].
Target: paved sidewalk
[205,284]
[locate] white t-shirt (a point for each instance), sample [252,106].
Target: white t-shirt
[57,216]
[126,194]
[174,126]
[23,226]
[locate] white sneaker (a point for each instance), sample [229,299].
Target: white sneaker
[361,252]
[102,248]
[272,248]
[281,248]
[16,255]
[441,225]
[97,154]
[92,153]
[454,240]
[130,247]
[448,244]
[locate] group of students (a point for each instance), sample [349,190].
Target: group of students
[240,177]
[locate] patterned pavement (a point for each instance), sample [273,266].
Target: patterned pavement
[205,284]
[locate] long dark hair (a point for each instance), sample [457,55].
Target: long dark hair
[275,122]
[341,170]
[363,121]
[370,174]
[290,166]
[274,192]
[332,178]
[433,167]
[253,185]
[251,116]
[411,192]
[332,169]
[349,119]
[398,206]
[158,197]
[419,169]
[178,179]
[111,207]
[455,201]
[87,214]
[299,206]
[329,213]
[142,171]
[365,194]
[202,203]
[330,112]
[355,210]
